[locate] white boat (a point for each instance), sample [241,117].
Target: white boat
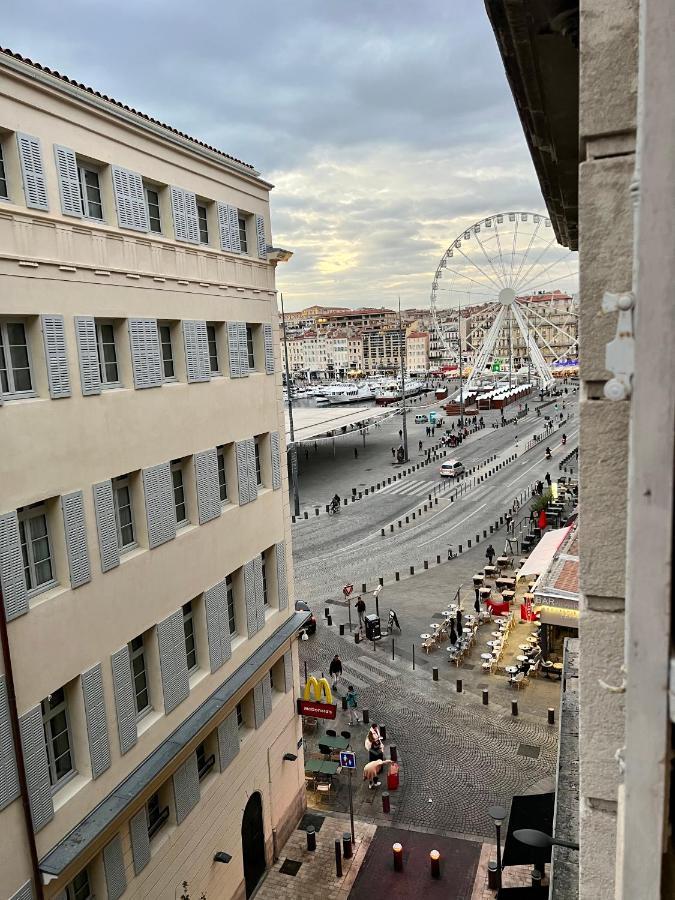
[337,394]
[393,391]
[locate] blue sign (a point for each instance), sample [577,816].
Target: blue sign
[347,759]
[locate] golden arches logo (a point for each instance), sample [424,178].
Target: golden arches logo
[315,689]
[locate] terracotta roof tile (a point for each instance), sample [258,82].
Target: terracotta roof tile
[568,578]
[124,106]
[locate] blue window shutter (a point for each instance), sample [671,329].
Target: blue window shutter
[56,356]
[32,171]
[37,768]
[12,578]
[115,873]
[146,356]
[228,224]
[160,509]
[9,776]
[269,349]
[282,577]
[87,349]
[241,454]
[97,722]
[260,235]
[276,460]
[69,181]
[228,740]
[140,840]
[77,544]
[173,661]
[125,705]
[129,199]
[186,787]
[106,525]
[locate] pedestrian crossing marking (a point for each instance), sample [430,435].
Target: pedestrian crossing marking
[378,665]
[352,679]
[376,679]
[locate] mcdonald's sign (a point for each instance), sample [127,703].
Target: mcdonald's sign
[317,700]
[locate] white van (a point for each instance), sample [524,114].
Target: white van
[420,419]
[452,468]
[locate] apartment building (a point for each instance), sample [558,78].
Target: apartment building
[417,352]
[382,350]
[553,318]
[147,719]
[362,318]
[325,354]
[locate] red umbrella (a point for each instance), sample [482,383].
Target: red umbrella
[542,519]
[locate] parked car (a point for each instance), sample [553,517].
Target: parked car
[452,468]
[310,626]
[421,419]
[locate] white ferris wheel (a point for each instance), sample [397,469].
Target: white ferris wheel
[502,262]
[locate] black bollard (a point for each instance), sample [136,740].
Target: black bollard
[329,620]
[326,611]
[347,844]
[426,563]
[385,803]
[344,703]
[485,696]
[383,732]
[338,858]
[459,685]
[342,629]
[357,637]
[551,716]
[366,716]
[514,707]
[393,753]
[412,570]
[397,576]
[311,838]
[434,673]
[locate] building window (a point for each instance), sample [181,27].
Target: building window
[271,674]
[15,374]
[167,353]
[179,493]
[249,347]
[107,353]
[124,516]
[222,476]
[213,348]
[3,178]
[205,761]
[152,203]
[264,581]
[258,472]
[57,736]
[240,716]
[79,888]
[190,643]
[139,673]
[90,192]
[202,216]
[35,548]
[230,605]
[157,815]
[243,242]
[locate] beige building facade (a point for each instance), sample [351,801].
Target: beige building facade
[148,679]
[417,352]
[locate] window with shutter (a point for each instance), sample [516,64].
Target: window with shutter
[87,349]
[173,661]
[12,578]
[245,362]
[9,777]
[258,704]
[32,171]
[233,349]
[56,356]
[260,235]
[77,544]
[228,225]
[267,694]
[37,767]
[217,624]
[186,787]
[252,469]
[196,351]
[288,671]
[106,525]
[146,355]
[282,579]
[259,591]
[25,892]
[241,453]
[69,181]
[276,460]
[97,723]
[140,840]
[228,740]
[125,705]
[185,217]
[269,349]
[208,488]
[250,598]
[113,864]
[159,505]
[129,199]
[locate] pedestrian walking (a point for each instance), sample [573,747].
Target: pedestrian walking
[356,452]
[352,704]
[420,447]
[428,454]
[547,478]
[400,434]
[428,431]
[490,554]
[476,605]
[373,743]
[371,772]
[393,452]
[453,634]
[361,610]
[458,617]
[335,671]
[433,430]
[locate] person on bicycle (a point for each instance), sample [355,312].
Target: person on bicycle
[335,503]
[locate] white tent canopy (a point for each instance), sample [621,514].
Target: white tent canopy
[542,556]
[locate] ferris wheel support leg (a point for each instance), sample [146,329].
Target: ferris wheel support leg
[486,350]
[536,355]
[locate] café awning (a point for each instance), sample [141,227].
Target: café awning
[542,556]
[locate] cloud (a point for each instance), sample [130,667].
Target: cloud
[385,126]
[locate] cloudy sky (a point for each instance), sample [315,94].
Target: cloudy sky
[387,127]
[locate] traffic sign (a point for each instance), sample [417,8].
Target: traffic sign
[347,589]
[347,759]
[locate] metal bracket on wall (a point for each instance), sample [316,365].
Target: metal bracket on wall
[620,352]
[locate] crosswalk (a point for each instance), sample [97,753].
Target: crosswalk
[365,671]
[409,488]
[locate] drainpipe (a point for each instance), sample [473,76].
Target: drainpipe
[18,752]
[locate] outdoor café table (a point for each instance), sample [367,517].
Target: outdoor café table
[557,669]
[434,625]
[502,561]
[494,644]
[335,743]
[521,658]
[467,630]
[496,634]
[485,592]
[321,767]
[478,580]
[425,637]
[446,613]
[508,595]
[511,670]
[533,639]
[490,571]
[524,647]
[546,667]
[486,656]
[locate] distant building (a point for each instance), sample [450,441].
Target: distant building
[382,350]
[417,352]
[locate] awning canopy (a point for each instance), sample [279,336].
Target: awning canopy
[528,811]
[312,423]
[542,556]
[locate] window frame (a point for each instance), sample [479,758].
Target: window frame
[265,586]
[211,328]
[203,225]
[258,462]
[102,362]
[56,782]
[25,515]
[4,181]
[241,720]
[124,481]
[177,469]
[189,622]
[136,653]
[156,821]
[162,345]
[231,605]
[243,232]
[222,470]
[74,893]
[250,347]
[207,763]
[11,393]
[158,217]
[82,170]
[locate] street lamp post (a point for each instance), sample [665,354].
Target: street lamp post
[294,449]
[498,815]
[539,839]
[400,353]
[459,347]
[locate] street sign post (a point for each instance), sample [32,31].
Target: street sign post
[348,761]
[347,591]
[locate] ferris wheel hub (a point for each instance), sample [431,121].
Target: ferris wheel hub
[507,296]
